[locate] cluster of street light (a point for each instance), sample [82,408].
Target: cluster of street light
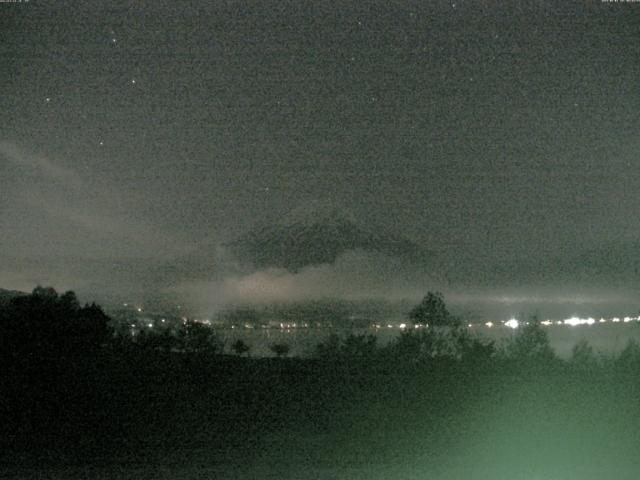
[512,323]
[572,322]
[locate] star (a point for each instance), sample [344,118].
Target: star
[133,81]
[101,144]
[48,99]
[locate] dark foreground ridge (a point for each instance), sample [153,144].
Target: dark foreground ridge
[433,404]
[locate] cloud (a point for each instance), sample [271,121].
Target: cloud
[38,165]
[360,275]
[56,220]
[354,275]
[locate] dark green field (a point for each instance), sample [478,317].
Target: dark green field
[141,415]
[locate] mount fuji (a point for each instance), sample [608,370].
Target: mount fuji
[316,236]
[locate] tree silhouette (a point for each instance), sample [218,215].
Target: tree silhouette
[91,324]
[240,347]
[432,311]
[196,337]
[162,340]
[474,350]
[582,354]
[280,349]
[359,346]
[352,348]
[412,346]
[630,354]
[69,301]
[46,327]
[330,348]
[531,343]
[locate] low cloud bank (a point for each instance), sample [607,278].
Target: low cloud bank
[354,275]
[360,275]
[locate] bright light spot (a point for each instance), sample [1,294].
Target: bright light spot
[574,321]
[403,325]
[139,309]
[615,319]
[559,322]
[150,325]
[389,326]
[470,325]
[513,323]
[546,323]
[489,324]
[627,319]
[602,320]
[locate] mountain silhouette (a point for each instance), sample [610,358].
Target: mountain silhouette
[316,236]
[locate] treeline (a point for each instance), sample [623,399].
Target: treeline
[47,327]
[51,328]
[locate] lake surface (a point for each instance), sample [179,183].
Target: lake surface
[606,338]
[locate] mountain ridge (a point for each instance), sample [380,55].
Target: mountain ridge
[316,236]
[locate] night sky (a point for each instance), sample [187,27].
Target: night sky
[134,135]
